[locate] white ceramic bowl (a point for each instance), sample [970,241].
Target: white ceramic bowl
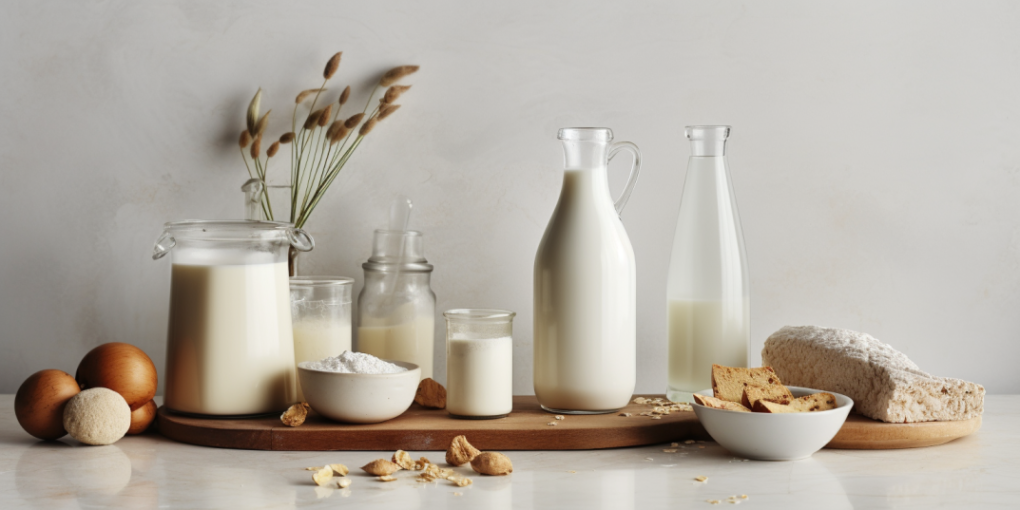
[360,398]
[766,436]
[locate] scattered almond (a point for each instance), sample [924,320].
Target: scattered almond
[343,483]
[339,469]
[701,478]
[559,416]
[430,394]
[551,424]
[460,452]
[323,476]
[626,414]
[380,467]
[403,459]
[492,463]
[295,415]
[386,478]
[462,481]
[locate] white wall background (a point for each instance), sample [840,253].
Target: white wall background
[874,152]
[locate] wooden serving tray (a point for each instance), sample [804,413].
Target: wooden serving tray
[860,433]
[527,428]
[420,429]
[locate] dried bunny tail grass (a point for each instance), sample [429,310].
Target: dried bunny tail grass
[395,74]
[256,147]
[253,112]
[367,126]
[272,149]
[353,120]
[326,114]
[345,95]
[337,124]
[332,66]
[305,93]
[388,110]
[260,127]
[287,137]
[245,139]
[393,93]
[336,132]
[313,119]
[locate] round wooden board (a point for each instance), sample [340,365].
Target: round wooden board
[527,428]
[860,433]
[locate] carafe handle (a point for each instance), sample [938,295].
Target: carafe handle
[163,245]
[632,179]
[300,239]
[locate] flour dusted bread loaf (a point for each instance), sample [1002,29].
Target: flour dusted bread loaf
[883,383]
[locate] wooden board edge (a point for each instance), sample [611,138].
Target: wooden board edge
[240,439]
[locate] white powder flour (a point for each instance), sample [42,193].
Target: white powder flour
[354,363]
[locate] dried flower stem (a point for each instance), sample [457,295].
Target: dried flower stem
[322,144]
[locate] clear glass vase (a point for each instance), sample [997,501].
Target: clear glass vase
[270,202]
[707,294]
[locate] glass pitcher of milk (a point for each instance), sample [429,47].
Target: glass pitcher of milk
[707,293]
[230,346]
[585,285]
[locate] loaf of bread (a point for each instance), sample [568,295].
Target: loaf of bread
[883,383]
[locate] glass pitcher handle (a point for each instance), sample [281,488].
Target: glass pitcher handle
[300,239]
[632,179]
[163,245]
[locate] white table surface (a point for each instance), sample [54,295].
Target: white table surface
[149,471]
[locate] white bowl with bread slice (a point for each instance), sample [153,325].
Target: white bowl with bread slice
[749,412]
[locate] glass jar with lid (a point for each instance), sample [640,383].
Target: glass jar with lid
[397,307]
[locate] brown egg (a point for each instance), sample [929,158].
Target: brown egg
[39,404]
[142,417]
[120,367]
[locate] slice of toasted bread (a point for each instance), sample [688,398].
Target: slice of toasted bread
[775,393]
[807,404]
[720,404]
[728,382]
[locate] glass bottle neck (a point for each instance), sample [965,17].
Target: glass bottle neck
[708,141]
[584,155]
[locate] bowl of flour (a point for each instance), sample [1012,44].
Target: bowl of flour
[356,387]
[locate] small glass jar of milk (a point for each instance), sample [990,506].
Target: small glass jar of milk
[397,307]
[320,308]
[479,363]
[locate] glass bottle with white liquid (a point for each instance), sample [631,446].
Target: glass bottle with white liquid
[707,294]
[397,307]
[585,342]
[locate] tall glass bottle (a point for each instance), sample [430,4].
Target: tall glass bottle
[707,293]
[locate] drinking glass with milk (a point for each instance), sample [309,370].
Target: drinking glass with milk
[707,294]
[320,308]
[397,306]
[479,363]
[585,285]
[230,347]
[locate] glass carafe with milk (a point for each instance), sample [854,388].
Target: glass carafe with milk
[230,346]
[707,293]
[585,285]
[397,307]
